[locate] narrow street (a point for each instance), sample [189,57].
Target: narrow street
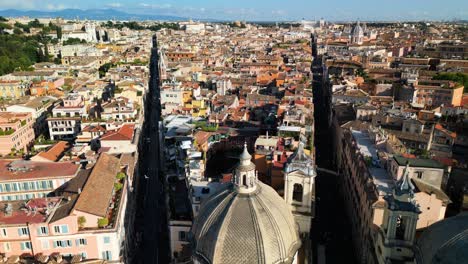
[151,220]
[331,225]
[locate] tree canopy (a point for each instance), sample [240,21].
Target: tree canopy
[458,77]
[19,52]
[73,41]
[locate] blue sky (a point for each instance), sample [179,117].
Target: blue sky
[267,9]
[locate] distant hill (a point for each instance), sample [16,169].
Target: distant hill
[93,14]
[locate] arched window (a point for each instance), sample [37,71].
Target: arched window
[400,228]
[297,192]
[244,180]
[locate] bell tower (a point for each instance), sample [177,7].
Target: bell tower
[400,221]
[299,188]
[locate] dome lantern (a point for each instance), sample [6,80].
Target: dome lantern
[245,176]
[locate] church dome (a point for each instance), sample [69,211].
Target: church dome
[250,224]
[444,242]
[357,30]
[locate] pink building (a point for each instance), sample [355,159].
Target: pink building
[68,224]
[26,179]
[16,131]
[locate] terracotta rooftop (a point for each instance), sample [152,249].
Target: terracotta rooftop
[55,152]
[97,192]
[123,133]
[14,170]
[93,128]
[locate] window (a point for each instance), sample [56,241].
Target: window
[23,231]
[297,192]
[106,240]
[43,230]
[400,228]
[107,255]
[182,236]
[84,255]
[62,243]
[6,246]
[4,232]
[62,229]
[418,174]
[81,242]
[45,244]
[26,246]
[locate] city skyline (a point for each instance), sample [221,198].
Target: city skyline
[275,10]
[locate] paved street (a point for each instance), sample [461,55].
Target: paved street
[331,226]
[151,213]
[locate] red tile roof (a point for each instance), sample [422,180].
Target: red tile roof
[55,152]
[93,128]
[123,133]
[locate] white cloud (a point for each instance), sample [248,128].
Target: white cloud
[114,5]
[155,6]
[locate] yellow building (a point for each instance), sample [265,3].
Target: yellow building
[186,96]
[199,108]
[13,89]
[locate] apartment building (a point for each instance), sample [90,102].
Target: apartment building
[86,218]
[14,89]
[372,172]
[26,179]
[119,109]
[39,107]
[16,131]
[65,123]
[437,93]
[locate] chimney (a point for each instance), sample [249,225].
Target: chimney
[79,190]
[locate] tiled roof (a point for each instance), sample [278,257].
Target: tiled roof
[97,192]
[55,152]
[123,133]
[93,128]
[70,191]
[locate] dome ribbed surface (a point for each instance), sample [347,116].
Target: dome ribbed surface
[444,242]
[236,228]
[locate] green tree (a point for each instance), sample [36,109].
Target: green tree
[120,176]
[458,77]
[118,186]
[103,222]
[81,221]
[73,41]
[17,31]
[59,32]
